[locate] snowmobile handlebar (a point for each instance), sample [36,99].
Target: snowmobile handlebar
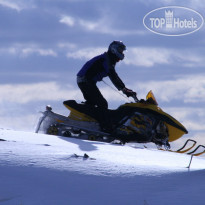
[134,96]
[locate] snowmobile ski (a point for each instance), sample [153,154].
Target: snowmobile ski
[182,150]
[185,148]
[195,150]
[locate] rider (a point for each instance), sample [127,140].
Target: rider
[96,69]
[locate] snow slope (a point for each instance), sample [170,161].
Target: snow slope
[40,169]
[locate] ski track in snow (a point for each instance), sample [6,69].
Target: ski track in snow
[42,169]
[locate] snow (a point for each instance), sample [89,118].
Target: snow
[42,169]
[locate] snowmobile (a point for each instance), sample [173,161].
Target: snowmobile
[141,121]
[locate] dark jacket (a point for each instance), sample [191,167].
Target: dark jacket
[99,67]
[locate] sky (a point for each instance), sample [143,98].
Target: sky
[44,43]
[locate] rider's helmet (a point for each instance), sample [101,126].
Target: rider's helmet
[117,48]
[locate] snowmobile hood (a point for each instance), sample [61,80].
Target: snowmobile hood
[176,129]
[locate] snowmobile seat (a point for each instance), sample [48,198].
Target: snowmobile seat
[94,112]
[100,114]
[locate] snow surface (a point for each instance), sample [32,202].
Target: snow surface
[38,169]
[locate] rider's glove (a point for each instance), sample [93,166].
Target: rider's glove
[128,92]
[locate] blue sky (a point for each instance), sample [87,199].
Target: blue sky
[45,42]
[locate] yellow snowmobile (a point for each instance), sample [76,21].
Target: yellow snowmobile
[142,121]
